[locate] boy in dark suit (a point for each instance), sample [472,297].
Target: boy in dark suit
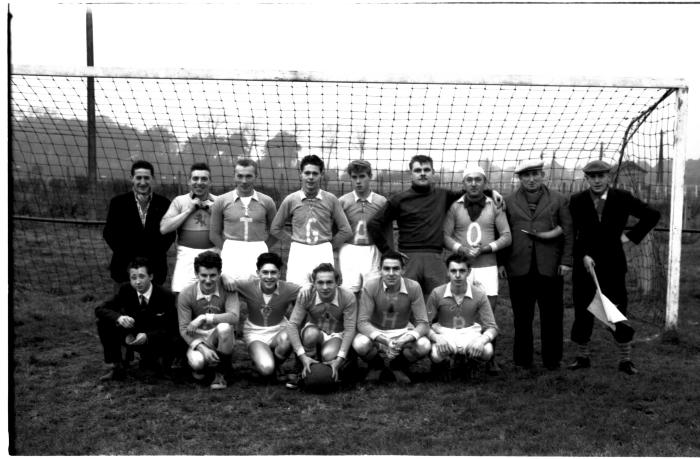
[133,226]
[142,317]
[600,216]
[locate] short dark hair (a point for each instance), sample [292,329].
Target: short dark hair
[200,167]
[247,162]
[140,262]
[325,268]
[457,258]
[358,166]
[142,164]
[269,257]
[420,159]
[313,160]
[391,255]
[207,259]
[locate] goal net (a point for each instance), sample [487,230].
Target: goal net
[176,119]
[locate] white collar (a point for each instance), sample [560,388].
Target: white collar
[253,196]
[402,289]
[148,293]
[334,301]
[201,295]
[448,291]
[368,198]
[303,196]
[275,292]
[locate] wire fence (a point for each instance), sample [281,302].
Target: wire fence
[57,243]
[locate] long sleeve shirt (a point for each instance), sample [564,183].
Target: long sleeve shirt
[383,310]
[458,223]
[271,312]
[359,211]
[419,213]
[474,308]
[232,219]
[335,316]
[191,303]
[194,231]
[312,219]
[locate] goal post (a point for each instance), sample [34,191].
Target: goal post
[174,117]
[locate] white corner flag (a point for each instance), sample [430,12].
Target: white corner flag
[604,309]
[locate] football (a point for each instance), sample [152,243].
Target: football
[319,379]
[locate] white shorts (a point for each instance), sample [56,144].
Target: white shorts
[183,274]
[460,338]
[304,258]
[239,258]
[358,263]
[487,277]
[326,336]
[252,332]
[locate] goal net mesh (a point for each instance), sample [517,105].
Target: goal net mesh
[175,122]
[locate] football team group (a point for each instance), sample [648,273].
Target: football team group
[349,293]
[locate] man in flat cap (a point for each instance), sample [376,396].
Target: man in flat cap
[600,216]
[476,229]
[535,263]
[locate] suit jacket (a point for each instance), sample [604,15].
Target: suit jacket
[158,320]
[601,239]
[552,210]
[128,238]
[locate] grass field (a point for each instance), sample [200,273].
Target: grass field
[60,407]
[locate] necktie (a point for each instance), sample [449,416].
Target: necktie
[599,205]
[142,300]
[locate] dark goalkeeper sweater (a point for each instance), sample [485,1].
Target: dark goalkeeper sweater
[419,213]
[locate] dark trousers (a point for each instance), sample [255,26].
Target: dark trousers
[426,268]
[112,339]
[612,283]
[547,291]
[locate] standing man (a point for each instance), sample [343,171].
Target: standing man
[141,316]
[133,226]
[536,262]
[359,257]
[385,335]
[464,323]
[269,301]
[420,215]
[314,212]
[240,223]
[470,229]
[322,324]
[189,214]
[600,216]
[207,314]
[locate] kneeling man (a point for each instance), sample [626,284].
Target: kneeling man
[385,335]
[269,301]
[322,324]
[207,314]
[141,316]
[464,323]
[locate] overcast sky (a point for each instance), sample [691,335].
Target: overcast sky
[557,40]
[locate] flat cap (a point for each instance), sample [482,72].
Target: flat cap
[473,169]
[529,164]
[596,166]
